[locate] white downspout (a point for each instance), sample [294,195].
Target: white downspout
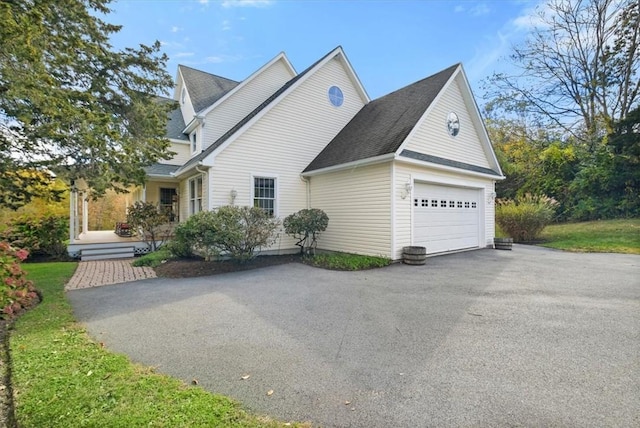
[205,176]
[308,189]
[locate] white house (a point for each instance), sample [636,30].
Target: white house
[414,167]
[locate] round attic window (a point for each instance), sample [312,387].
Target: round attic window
[453,124]
[336,97]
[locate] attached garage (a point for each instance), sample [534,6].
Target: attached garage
[446,218]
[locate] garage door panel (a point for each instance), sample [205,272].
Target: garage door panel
[445,218]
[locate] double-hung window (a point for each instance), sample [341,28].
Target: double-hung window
[194,141]
[195,195]
[264,194]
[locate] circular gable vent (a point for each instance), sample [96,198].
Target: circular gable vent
[336,97]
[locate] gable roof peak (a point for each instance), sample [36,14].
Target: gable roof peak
[382,125]
[204,88]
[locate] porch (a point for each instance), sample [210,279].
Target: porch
[105,244]
[119,242]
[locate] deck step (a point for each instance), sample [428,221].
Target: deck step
[107,253]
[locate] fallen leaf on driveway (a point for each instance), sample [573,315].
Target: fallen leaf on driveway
[346,403]
[195,381]
[270,392]
[245,377]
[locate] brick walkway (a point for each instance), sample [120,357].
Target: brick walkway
[105,272]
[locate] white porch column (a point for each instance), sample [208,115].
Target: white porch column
[85,212]
[72,214]
[144,193]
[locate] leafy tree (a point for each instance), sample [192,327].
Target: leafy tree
[71,103]
[150,223]
[578,70]
[306,225]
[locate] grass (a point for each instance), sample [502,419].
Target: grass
[345,261]
[153,259]
[605,236]
[62,378]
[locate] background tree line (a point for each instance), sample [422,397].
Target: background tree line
[566,122]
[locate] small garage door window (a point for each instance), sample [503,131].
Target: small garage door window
[445,218]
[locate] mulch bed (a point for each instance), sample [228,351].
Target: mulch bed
[189,268]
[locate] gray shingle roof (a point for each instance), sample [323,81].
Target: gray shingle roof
[205,88]
[237,126]
[448,162]
[175,122]
[382,125]
[161,169]
[175,125]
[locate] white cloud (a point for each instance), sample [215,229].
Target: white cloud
[203,1]
[246,3]
[479,9]
[459,8]
[183,54]
[218,59]
[175,29]
[226,25]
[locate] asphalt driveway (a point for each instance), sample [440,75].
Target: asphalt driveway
[530,337]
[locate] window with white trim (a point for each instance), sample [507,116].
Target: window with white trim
[193,137]
[195,195]
[264,194]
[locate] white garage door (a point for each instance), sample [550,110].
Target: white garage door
[445,218]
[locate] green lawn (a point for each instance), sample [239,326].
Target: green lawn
[605,236]
[62,378]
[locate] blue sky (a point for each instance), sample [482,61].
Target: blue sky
[390,43]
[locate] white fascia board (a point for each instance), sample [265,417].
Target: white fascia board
[350,165]
[173,140]
[205,163]
[428,110]
[354,78]
[448,168]
[161,177]
[211,156]
[280,56]
[472,105]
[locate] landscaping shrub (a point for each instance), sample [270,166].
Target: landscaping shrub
[524,218]
[16,292]
[197,233]
[231,230]
[39,236]
[145,218]
[153,259]
[239,231]
[306,225]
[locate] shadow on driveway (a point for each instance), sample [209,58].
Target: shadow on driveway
[489,338]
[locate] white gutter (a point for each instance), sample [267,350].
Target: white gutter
[350,165]
[448,168]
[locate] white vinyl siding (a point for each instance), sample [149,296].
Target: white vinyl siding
[432,138]
[275,141]
[357,202]
[182,153]
[407,173]
[244,100]
[186,108]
